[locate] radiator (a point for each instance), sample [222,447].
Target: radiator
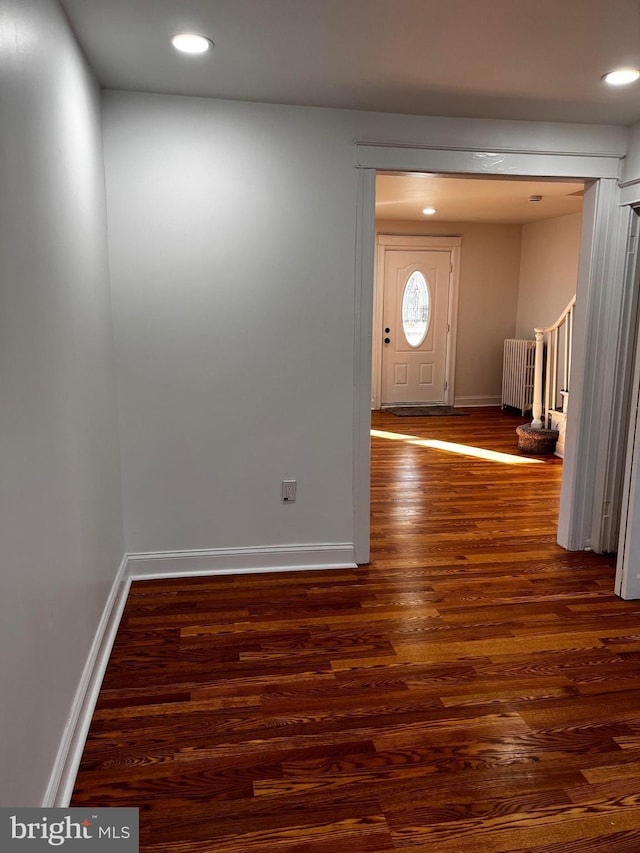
[518,365]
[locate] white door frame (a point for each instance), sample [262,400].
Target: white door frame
[385,242]
[592,433]
[602,351]
[627,576]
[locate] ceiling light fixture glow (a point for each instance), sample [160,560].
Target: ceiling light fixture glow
[429,211]
[621,76]
[191,43]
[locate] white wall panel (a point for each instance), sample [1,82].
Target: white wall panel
[232,247]
[60,507]
[548,271]
[232,233]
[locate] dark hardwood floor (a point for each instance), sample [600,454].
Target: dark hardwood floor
[474,689]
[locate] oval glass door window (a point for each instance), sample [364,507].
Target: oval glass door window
[416,309]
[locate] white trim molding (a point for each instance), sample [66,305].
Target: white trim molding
[166,564]
[65,768]
[496,161]
[477,402]
[630,192]
[591,434]
[602,347]
[362,381]
[228,561]
[627,575]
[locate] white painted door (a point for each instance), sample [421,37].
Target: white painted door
[415,324]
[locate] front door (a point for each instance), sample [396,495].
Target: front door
[415,325]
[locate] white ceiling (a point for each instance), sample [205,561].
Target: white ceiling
[403,197]
[521,59]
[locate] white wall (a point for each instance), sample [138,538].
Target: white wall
[232,247]
[60,508]
[489,269]
[232,233]
[548,271]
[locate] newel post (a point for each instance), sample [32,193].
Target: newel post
[536,423]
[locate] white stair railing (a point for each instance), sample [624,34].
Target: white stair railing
[552,368]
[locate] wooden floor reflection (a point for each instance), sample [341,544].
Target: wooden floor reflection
[475,688]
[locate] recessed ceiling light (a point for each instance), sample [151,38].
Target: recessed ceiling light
[622,76]
[429,211]
[191,43]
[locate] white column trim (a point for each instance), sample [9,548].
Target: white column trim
[378,311]
[576,524]
[592,436]
[620,368]
[627,576]
[362,377]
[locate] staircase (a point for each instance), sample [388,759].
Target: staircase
[551,375]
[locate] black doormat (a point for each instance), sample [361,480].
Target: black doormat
[424,411]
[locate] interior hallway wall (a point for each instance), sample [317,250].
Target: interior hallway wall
[60,496]
[232,235]
[488,300]
[548,271]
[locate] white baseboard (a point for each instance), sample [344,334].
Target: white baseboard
[476,402]
[559,422]
[65,768]
[164,564]
[226,561]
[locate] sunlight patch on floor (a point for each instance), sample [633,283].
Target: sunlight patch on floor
[452,447]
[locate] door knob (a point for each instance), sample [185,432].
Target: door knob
[387,340]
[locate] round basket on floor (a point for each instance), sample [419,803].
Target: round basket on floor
[537,442]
